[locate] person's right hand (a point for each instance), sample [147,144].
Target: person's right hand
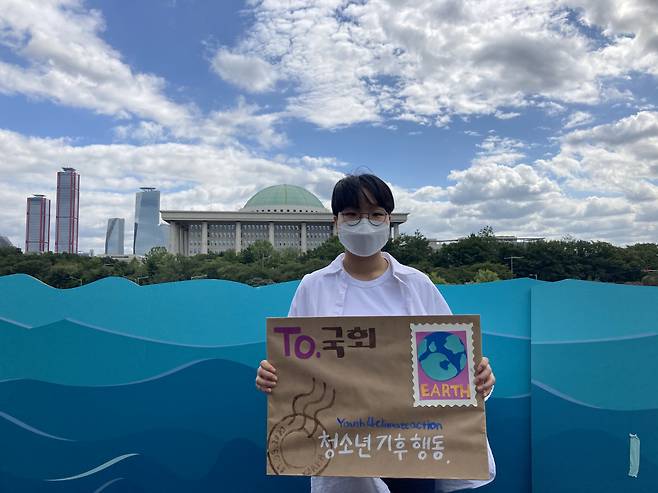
[265,377]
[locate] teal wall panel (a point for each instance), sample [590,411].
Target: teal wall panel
[594,351]
[125,388]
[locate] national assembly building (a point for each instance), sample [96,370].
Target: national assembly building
[287,216]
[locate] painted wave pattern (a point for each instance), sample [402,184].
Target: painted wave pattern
[577,448]
[200,312]
[193,429]
[212,312]
[87,355]
[87,341]
[179,412]
[70,353]
[613,374]
[584,312]
[592,352]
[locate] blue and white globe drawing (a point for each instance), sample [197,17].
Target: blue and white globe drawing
[441,355]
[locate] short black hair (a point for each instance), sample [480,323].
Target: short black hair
[348,190]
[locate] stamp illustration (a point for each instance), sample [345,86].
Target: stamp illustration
[443,365]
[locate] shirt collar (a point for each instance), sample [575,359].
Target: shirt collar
[397,269]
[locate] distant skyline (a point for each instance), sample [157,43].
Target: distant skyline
[67,211]
[537,118]
[115,236]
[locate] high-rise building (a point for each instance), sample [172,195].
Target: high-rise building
[147,233]
[37,224]
[68,207]
[114,236]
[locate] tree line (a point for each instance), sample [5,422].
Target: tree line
[479,257]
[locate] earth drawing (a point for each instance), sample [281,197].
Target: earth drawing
[441,355]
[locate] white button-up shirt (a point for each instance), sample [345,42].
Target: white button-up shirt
[322,294]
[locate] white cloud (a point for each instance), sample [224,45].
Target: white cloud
[66,61]
[245,122]
[578,119]
[498,188]
[501,115]
[143,131]
[617,158]
[247,72]
[429,62]
[631,27]
[489,181]
[423,61]
[313,162]
[190,176]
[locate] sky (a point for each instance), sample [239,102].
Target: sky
[536,117]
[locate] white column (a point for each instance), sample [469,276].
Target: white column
[204,237]
[271,232]
[335,229]
[238,237]
[181,242]
[396,231]
[173,238]
[186,242]
[303,237]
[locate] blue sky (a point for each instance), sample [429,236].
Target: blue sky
[538,118]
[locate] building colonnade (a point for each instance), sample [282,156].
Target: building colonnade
[192,237]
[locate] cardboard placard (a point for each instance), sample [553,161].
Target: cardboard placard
[376,396]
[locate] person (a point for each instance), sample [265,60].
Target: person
[364,280]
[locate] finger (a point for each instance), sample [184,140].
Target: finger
[265,383]
[264,389]
[265,386]
[483,375]
[266,375]
[268,366]
[484,362]
[490,381]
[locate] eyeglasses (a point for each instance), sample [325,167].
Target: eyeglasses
[353,218]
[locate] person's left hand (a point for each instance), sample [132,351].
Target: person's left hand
[484,377]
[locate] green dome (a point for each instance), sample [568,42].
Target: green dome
[284,198]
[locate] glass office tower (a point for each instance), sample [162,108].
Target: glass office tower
[37,224]
[147,233]
[68,208]
[114,236]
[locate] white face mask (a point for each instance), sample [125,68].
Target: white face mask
[364,239]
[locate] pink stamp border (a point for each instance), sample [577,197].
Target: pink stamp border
[443,327]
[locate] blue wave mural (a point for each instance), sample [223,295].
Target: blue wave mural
[202,312]
[71,353]
[182,431]
[116,387]
[593,352]
[576,448]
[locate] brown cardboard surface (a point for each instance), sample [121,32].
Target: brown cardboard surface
[376,392]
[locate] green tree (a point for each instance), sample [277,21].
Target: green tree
[471,258]
[481,247]
[485,275]
[259,252]
[411,250]
[328,250]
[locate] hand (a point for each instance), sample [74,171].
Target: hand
[484,377]
[265,377]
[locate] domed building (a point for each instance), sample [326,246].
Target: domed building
[284,198]
[287,216]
